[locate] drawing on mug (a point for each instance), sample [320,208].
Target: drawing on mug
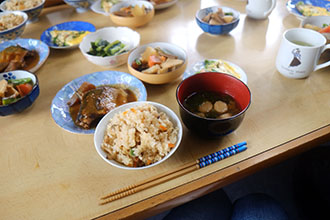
[296,57]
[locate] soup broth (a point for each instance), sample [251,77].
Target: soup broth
[210,104]
[302,43]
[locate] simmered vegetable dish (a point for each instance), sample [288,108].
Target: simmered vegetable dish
[14,89]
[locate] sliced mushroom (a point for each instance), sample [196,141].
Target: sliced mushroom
[205,107]
[220,106]
[226,115]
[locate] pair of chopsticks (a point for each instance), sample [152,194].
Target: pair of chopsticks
[180,171]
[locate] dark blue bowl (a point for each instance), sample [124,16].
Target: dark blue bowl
[217,29]
[27,100]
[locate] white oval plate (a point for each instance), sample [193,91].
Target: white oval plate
[200,65]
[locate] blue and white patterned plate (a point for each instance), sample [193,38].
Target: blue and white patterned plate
[200,65]
[291,6]
[60,109]
[30,44]
[68,26]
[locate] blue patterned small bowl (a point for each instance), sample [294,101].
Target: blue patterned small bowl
[27,100]
[33,13]
[217,29]
[15,32]
[80,5]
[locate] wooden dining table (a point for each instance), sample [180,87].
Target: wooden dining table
[47,172]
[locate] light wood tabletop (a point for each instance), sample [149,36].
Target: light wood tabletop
[47,172]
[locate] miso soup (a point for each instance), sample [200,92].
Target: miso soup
[210,104]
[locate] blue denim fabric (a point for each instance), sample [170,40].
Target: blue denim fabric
[258,207]
[215,205]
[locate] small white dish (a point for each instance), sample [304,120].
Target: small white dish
[165,5]
[102,125]
[126,35]
[197,67]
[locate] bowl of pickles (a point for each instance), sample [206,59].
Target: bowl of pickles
[109,47]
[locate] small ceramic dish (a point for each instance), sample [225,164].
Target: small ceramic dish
[317,21]
[24,102]
[218,83]
[132,21]
[164,5]
[158,78]
[81,6]
[60,109]
[14,32]
[101,128]
[217,29]
[30,44]
[291,6]
[33,13]
[125,35]
[68,26]
[197,67]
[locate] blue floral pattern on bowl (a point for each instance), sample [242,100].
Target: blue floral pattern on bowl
[30,44]
[60,109]
[217,29]
[33,13]
[291,6]
[26,101]
[15,32]
[70,25]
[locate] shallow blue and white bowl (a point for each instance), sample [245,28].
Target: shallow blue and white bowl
[15,32]
[69,25]
[60,109]
[26,101]
[33,13]
[30,44]
[217,29]
[80,5]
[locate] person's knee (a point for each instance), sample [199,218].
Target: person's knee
[258,206]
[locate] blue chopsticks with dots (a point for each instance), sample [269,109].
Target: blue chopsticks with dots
[180,171]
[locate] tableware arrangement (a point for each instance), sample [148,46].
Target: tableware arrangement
[260,9]
[197,67]
[171,174]
[163,77]
[317,23]
[102,126]
[165,4]
[217,29]
[30,44]
[130,38]
[26,101]
[33,13]
[60,109]
[134,21]
[14,32]
[291,6]
[300,51]
[218,83]
[69,26]
[81,6]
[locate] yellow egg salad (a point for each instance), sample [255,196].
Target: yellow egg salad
[310,10]
[67,38]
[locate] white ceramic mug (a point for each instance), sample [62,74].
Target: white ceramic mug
[299,52]
[260,9]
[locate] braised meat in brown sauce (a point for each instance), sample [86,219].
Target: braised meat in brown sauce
[89,104]
[17,57]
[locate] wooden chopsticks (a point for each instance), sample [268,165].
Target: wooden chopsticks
[171,174]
